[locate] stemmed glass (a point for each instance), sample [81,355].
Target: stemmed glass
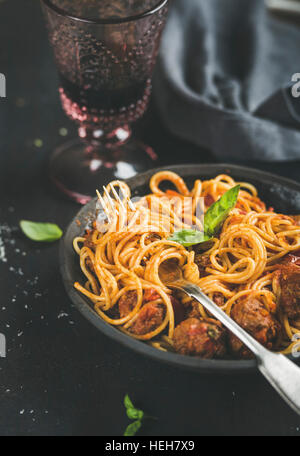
[105,52]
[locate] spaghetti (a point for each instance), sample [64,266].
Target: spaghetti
[121,262]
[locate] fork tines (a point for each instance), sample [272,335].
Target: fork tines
[111,203]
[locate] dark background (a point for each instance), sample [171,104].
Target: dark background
[61,377]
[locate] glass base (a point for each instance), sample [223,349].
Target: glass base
[78,169]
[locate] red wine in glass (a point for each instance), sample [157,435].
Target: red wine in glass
[104,107]
[104,99]
[105,52]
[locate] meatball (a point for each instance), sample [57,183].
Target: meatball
[252,316]
[292,258]
[204,338]
[127,302]
[149,318]
[289,282]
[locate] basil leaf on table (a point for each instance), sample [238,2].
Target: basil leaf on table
[214,218]
[217,213]
[188,238]
[127,402]
[132,412]
[41,232]
[135,414]
[133,428]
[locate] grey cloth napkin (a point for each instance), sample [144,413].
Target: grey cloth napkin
[223,79]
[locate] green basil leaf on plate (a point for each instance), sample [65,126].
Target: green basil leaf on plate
[216,215]
[214,218]
[187,238]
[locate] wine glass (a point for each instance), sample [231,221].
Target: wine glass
[105,52]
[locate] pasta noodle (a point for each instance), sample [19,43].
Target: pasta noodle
[123,258]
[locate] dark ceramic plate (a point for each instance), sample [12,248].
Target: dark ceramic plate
[282,194]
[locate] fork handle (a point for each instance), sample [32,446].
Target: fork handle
[282,373]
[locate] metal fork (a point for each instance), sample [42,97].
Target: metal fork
[284,6]
[111,203]
[282,373]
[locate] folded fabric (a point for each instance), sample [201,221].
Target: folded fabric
[223,79]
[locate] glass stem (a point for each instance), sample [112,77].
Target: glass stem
[102,140]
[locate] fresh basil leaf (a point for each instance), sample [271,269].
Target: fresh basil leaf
[188,238]
[135,414]
[41,232]
[133,428]
[127,402]
[216,215]
[132,412]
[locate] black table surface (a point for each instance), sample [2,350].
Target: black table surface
[61,376]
